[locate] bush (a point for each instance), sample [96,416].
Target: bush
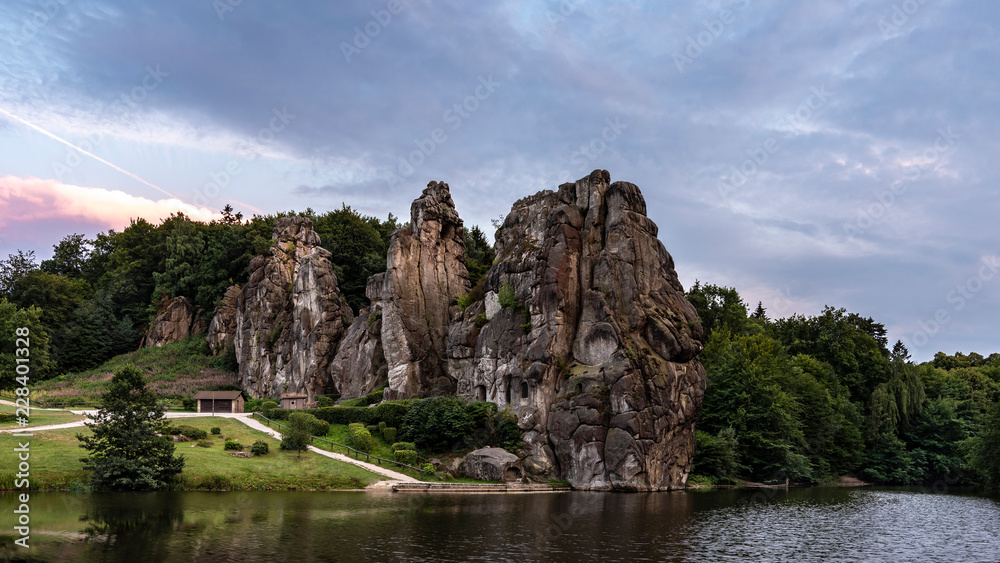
[716,456]
[390,412]
[507,297]
[233,445]
[372,429]
[381,427]
[389,434]
[189,403]
[324,401]
[428,468]
[7,417]
[359,438]
[279,414]
[259,448]
[187,430]
[409,457]
[437,424]
[216,430]
[204,444]
[403,446]
[319,427]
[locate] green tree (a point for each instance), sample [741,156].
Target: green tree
[69,256]
[479,254]
[127,451]
[13,318]
[296,436]
[358,249]
[184,252]
[718,308]
[15,267]
[985,457]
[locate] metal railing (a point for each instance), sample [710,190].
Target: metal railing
[357,453]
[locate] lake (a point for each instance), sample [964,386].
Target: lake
[813,524]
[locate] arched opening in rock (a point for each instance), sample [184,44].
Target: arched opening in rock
[524,391]
[579,387]
[480,392]
[512,474]
[506,395]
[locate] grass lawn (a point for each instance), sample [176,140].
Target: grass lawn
[338,433]
[172,371]
[40,417]
[55,463]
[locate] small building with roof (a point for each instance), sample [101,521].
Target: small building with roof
[220,401]
[294,401]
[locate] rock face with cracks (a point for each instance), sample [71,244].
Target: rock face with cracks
[177,320]
[582,330]
[593,344]
[222,329]
[404,336]
[290,316]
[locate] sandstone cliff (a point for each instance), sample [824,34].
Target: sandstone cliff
[403,339]
[585,333]
[222,329]
[290,316]
[175,321]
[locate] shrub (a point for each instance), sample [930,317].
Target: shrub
[259,448]
[216,430]
[507,297]
[437,424]
[278,414]
[716,456]
[187,430]
[428,468]
[409,457]
[481,320]
[205,444]
[381,426]
[359,438]
[7,417]
[372,429]
[403,446]
[324,401]
[268,405]
[389,434]
[189,403]
[233,445]
[319,427]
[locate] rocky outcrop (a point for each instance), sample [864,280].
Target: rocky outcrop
[404,335]
[290,316]
[175,321]
[491,464]
[222,329]
[585,333]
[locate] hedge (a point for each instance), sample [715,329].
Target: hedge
[389,412]
[409,457]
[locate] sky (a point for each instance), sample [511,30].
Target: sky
[831,152]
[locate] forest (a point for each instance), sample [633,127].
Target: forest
[803,398]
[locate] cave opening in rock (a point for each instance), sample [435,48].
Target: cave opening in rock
[524,390]
[480,392]
[507,394]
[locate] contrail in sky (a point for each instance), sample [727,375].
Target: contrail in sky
[90,154]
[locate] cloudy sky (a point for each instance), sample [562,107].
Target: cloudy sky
[837,152]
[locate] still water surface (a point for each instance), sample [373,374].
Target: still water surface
[817,524]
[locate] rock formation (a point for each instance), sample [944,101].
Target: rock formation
[583,330]
[175,321]
[585,333]
[222,329]
[403,338]
[491,464]
[290,316]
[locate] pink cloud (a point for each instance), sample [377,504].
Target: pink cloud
[31,201]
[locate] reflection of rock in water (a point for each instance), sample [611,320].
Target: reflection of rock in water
[130,530]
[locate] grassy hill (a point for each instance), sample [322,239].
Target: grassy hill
[173,371]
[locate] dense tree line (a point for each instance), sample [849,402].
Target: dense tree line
[812,398]
[95,297]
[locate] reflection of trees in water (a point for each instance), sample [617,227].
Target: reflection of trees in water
[134,526]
